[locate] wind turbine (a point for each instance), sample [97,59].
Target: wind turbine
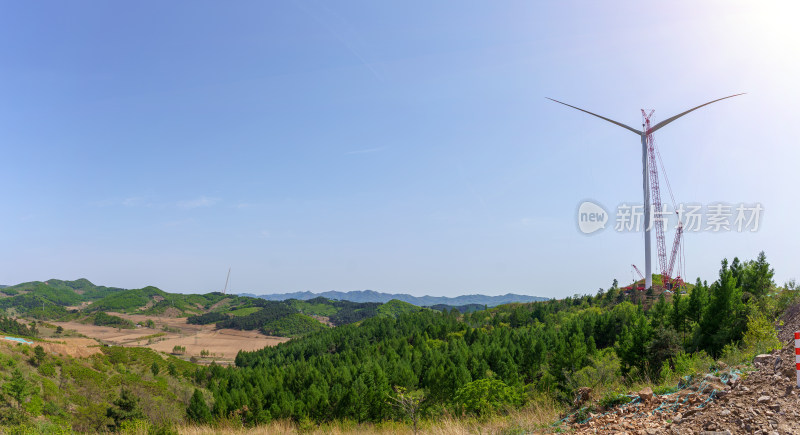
[645,182]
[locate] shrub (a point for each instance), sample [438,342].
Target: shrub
[760,336]
[688,364]
[664,389]
[485,397]
[612,398]
[47,369]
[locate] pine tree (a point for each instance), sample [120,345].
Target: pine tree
[698,300]
[18,387]
[679,313]
[724,319]
[172,370]
[757,277]
[198,411]
[126,407]
[38,355]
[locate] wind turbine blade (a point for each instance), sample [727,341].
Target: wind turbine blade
[667,121]
[601,117]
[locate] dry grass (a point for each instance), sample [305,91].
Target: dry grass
[534,418]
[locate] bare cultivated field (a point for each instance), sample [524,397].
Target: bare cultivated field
[71,346]
[221,344]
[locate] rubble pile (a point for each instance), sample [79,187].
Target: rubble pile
[651,413]
[763,400]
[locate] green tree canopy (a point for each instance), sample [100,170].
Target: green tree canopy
[198,411]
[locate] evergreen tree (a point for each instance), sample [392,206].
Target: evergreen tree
[757,277]
[633,345]
[198,411]
[660,313]
[679,313]
[724,320]
[172,370]
[126,407]
[698,300]
[38,355]
[18,387]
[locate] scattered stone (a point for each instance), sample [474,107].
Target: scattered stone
[646,394]
[583,395]
[712,378]
[763,399]
[762,359]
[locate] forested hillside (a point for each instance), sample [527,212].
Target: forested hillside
[46,393]
[478,364]
[80,300]
[517,352]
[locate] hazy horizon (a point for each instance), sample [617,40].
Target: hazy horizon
[259,293]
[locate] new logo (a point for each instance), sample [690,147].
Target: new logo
[591,217]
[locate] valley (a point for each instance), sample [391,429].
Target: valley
[169,332]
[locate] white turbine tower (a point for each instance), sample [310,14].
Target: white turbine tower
[645,183]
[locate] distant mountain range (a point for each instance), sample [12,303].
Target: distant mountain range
[421,301]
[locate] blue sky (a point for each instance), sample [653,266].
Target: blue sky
[393,146]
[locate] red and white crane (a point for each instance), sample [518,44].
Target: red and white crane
[646,136]
[666,266]
[639,286]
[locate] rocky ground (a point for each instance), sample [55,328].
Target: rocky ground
[762,400]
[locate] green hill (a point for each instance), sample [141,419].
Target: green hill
[291,318]
[293,326]
[395,308]
[47,299]
[128,301]
[62,292]
[58,394]
[314,307]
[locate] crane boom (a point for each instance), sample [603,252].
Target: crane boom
[638,272]
[655,195]
[676,244]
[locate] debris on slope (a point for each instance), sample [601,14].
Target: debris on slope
[651,413]
[763,400]
[766,401]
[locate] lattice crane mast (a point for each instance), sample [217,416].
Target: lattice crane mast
[666,266]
